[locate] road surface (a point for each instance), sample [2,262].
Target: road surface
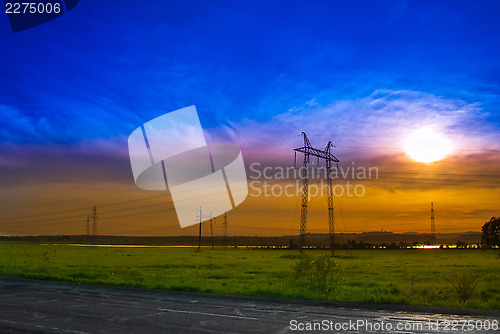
[31,306]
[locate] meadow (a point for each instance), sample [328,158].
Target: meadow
[378,276]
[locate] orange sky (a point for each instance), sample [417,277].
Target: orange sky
[463,187]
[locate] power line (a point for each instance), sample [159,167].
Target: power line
[79,209]
[401,149]
[69,200]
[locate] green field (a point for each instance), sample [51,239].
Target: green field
[381,276]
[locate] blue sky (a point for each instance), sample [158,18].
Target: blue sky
[106,67]
[361,73]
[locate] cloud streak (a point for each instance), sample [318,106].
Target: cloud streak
[381,120]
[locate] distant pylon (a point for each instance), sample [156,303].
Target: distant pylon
[87,227]
[94,218]
[433,226]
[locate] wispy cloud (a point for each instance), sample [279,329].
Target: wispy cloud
[380,120]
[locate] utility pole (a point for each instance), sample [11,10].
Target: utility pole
[225,229]
[199,235]
[325,154]
[433,226]
[211,231]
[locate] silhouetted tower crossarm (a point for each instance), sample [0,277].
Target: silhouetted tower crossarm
[322,154]
[317,153]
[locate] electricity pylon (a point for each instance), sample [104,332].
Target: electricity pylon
[331,226]
[87,227]
[94,219]
[325,154]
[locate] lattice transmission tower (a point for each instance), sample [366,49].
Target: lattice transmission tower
[308,150]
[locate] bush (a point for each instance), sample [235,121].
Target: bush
[318,275]
[463,285]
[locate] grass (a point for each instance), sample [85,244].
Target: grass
[380,276]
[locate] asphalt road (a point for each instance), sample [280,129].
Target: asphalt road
[31,306]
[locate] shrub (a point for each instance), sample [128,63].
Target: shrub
[318,275]
[463,285]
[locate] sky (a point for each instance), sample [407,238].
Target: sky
[363,75]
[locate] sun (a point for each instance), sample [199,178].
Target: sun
[427,145]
